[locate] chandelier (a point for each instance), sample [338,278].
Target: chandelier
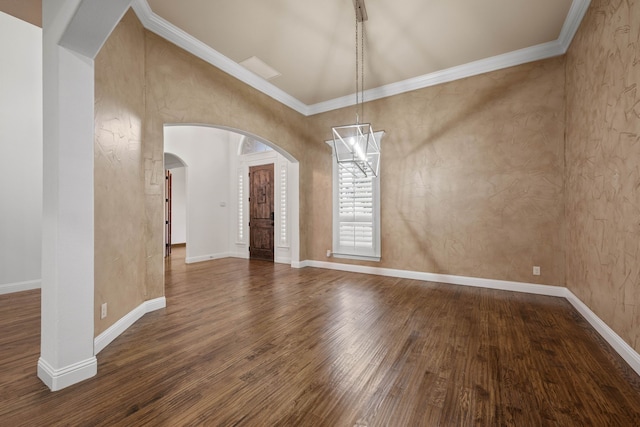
[355,145]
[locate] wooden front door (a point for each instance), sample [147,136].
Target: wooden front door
[261,212]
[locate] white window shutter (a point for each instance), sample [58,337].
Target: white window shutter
[355,209]
[356,212]
[283,206]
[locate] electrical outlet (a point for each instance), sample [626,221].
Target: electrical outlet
[103,310]
[536,270]
[328,253]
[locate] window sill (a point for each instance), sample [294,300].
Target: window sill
[356,257]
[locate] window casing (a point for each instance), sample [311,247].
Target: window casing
[356,212]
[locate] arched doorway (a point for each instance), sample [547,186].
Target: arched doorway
[217,191]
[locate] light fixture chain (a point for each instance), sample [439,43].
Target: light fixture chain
[362,69]
[357,58]
[355,146]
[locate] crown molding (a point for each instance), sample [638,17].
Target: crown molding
[180,38]
[557,47]
[518,57]
[163,28]
[572,23]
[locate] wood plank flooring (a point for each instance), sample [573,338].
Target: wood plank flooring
[251,343]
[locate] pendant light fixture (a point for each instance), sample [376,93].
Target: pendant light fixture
[355,144]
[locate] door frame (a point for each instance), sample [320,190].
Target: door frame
[284,253]
[245,163]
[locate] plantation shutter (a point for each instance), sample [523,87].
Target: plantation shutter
[240,236]
[355,211]
[283,206]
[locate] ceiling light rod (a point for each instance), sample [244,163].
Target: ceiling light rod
[355,146]
[361,10]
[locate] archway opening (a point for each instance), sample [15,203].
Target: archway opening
[217,191]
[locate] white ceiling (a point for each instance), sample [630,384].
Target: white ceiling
[409,43]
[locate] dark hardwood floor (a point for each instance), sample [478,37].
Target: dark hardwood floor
[259,344]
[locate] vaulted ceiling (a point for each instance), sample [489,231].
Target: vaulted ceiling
[409,43]
[310,44]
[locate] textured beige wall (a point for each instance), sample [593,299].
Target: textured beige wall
[472,180]
[184,89]
[143,82]
[118,174]
[603,158]
[473,171]
[27,10]
[472,176]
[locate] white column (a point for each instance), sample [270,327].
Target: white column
[67,333]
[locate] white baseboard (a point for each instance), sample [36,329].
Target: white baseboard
[531,288]
[57,379]
[243,255]
[155,304]
[300,264]
[194,259]
[619,345]
[10,288]
[114,331]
